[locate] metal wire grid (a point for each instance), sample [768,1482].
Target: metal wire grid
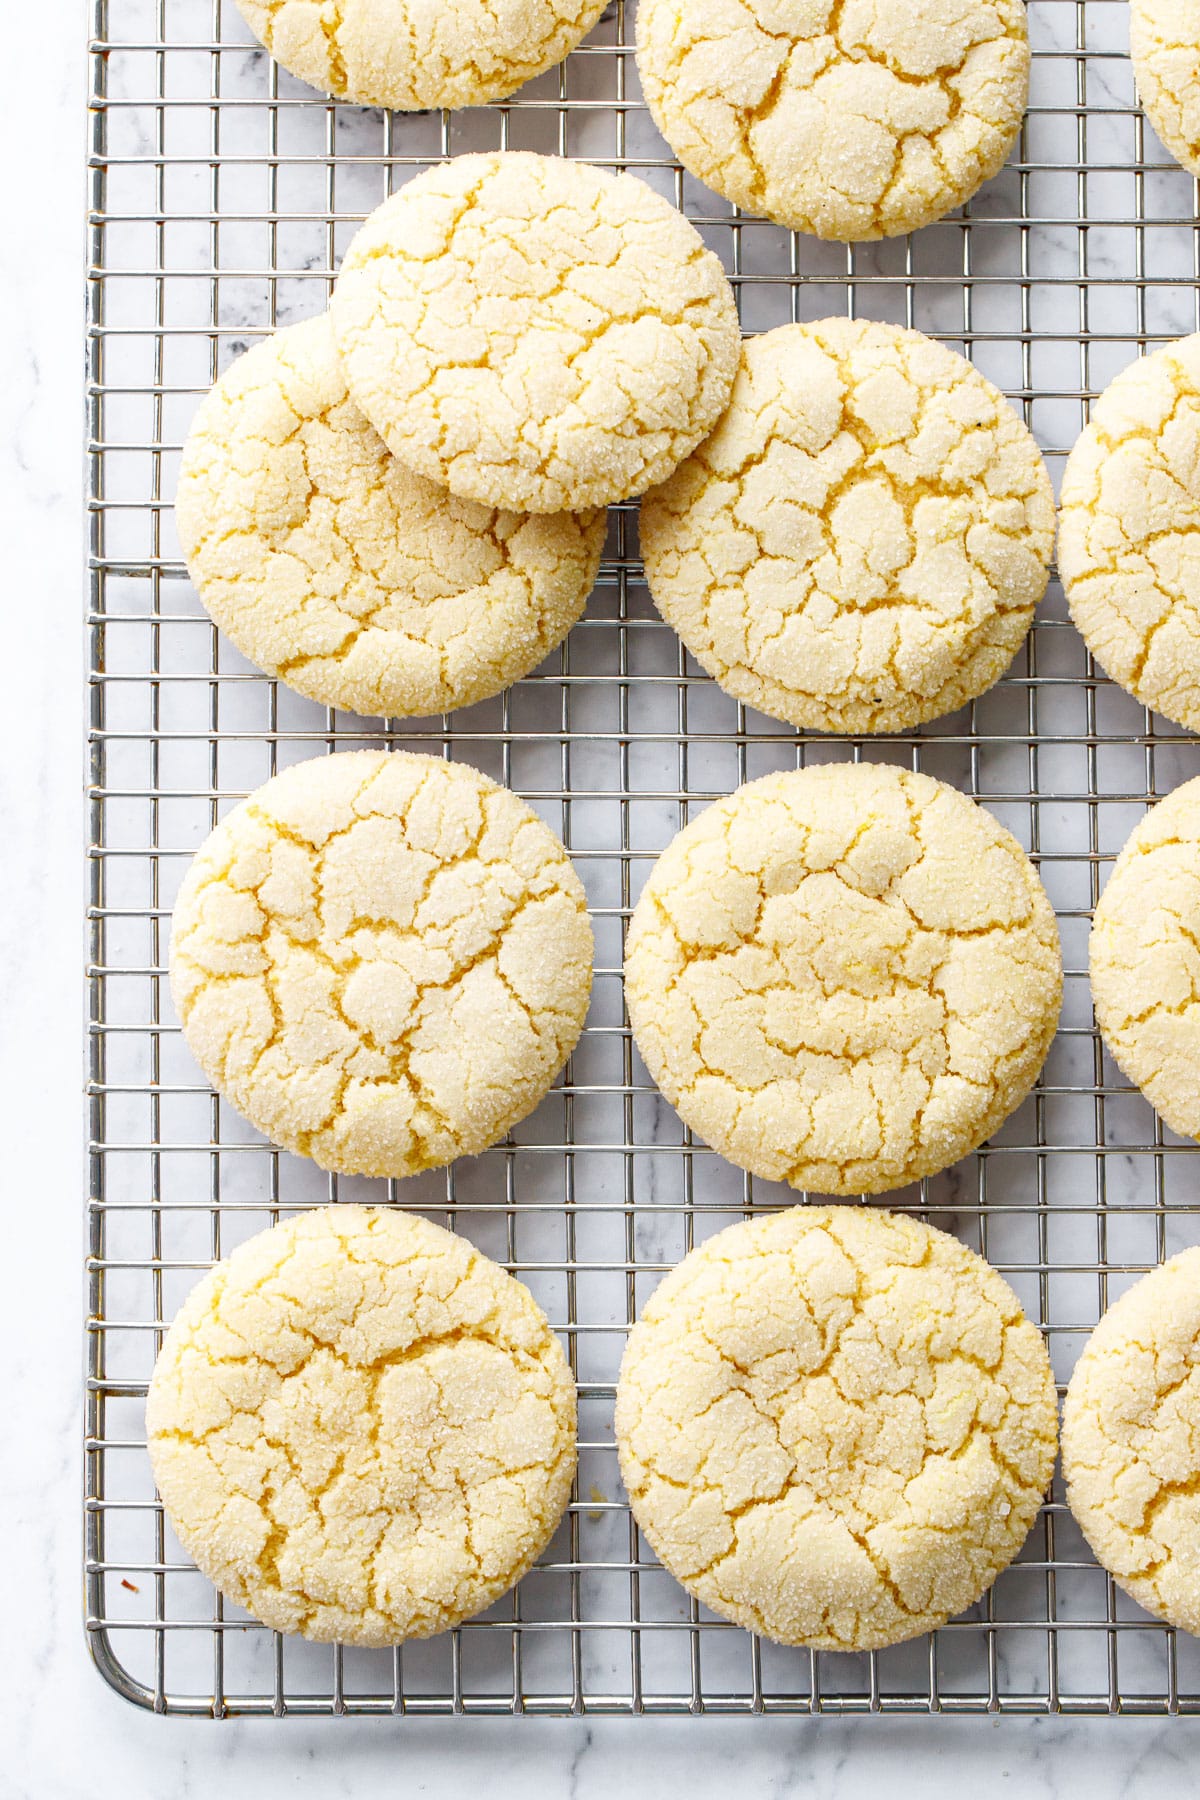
[222,196]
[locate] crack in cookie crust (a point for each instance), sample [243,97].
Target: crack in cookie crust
[844,977]
[1129,531]
[849,119]
[407,57]
[835,1426]
[534,333]
[1164,42]
[1145,959]
[862,541]
[382,961]
[1131,1427]
[362,1429]
[331,565]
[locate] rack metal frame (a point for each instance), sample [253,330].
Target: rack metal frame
[222,196]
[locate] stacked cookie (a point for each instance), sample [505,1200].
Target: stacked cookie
[397,508]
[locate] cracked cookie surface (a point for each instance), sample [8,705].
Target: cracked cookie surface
[407,55]
[835,1426]
[381,960]
[1130,1437]
[862,541]
[330,564]
[844,977]
[1129,531]
[1164,42]
[535,333]
[362,1429]
[1145,959]
[848,119]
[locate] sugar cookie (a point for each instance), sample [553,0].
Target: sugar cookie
[1129,531]
[1145,959]
[535,333]
[382,961]
[844,977]
[835,1426]
[331,565]
[850,119]
[1164,42]
[409,55]
[1131,1427]
[362,1429]
[861,543]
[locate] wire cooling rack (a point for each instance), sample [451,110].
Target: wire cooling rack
[222,197]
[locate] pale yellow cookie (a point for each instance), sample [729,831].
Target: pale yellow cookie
[849,119]
[331,565]
[861,543]
[1131,1441]
[1164,41]
[362,1430]
[1145,959]
[835,1426]
[844,977]
[535,333]
[1129,531]
[382,961]
[407,55]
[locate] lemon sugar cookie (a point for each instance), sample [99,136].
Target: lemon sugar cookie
[362,1430]
[1164,42]
[849,119]
[835,1426]
[1145,959]
[1131,1427]
[331,565]
[1129,531]
[382,961]
[844,977]
[409,55]
[535,333]
[862,541]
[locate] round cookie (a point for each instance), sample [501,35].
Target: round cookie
[1129,531]
[535,333]
[1145,959]
[362,1430]
[409,55]
[844,977]
[1131,1424]
[1164,42]
[382,961]
[331,565]
[835,1426]
[862,541]
[849,119]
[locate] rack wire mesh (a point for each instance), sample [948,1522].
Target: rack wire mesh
[222,196]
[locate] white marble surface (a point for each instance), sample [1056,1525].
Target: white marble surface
[64,1734]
